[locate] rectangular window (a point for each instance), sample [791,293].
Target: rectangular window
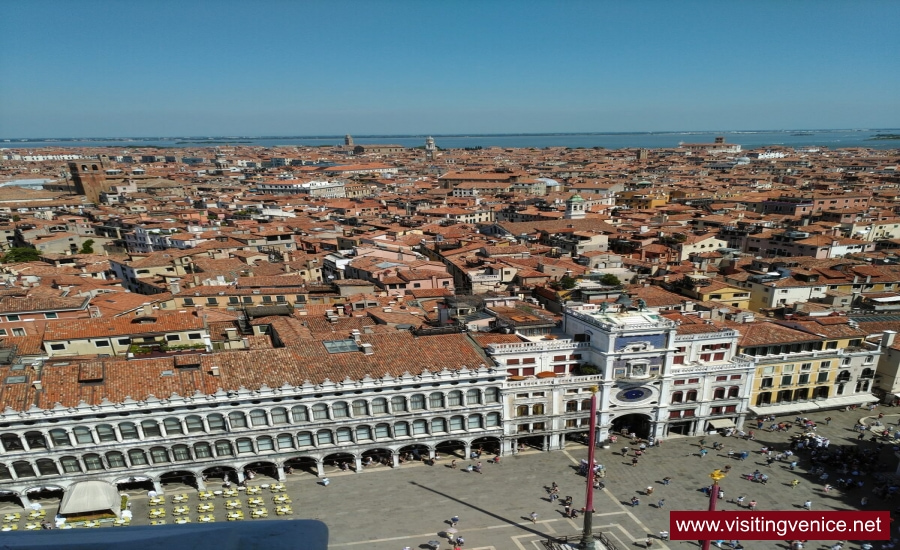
[51,316]
[693,380]
[528,361]
[188,301]
[680,382]
[786,380]
[417,402]
[101,343]
[825,365]
[195,336]
[172,337]
[12,317]
[720,356]
[212,302]
[285,441]
[823,377]
[304,439]
[512,361]
[787,368]
[766,383]
[735,377]
[721,378]
[401,429]
[804,379]
[233,300]
[57,347]
[123,341]
[768,370]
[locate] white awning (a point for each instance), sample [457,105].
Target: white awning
[720,423]
[785,408]
[845,400]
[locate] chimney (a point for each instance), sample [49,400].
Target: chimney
[214,371]
[174,287]
[887,338]
[355,335]
[367,349]
[231,334]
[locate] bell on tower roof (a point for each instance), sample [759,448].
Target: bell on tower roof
[624,300]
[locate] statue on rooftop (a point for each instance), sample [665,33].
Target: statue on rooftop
[641,304]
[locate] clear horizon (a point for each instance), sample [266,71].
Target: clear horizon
[401,67]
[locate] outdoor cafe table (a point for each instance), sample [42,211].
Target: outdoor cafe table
[235,516]
[156,501]
[260,513]
[92,524]
[284,510]
[158,522]
[180,498]
[253,490]
[205,495]
[182,521]
[256,501]
[230,493]
[276,487]
[12,517]
[206,507]
[180,510]
[13,527]
[231,504]
[157,513]
[207,519]
[32,526]
[281,499]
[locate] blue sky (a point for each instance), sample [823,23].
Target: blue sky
[272,67]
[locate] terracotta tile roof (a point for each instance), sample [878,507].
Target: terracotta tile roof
[122,326]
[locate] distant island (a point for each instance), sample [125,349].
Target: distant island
[883,137]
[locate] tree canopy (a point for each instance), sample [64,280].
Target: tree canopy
[16,255]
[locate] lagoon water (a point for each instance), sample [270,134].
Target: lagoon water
[832,139]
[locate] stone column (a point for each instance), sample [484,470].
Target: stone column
[358,462]
[26,503]
[320,469]
[467,451]
[157,486]
[280,474]
[201,485]
[395,459]
[240,476]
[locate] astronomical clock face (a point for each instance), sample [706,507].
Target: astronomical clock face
[632,395]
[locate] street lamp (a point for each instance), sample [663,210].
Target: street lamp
[716,476]
[587,536]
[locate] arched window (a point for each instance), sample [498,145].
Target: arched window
[245,446]
[320,411]
[455,399]
[401,429]
[4,472]
[150,428]
[286,441]
[324,437]
[416,402]
[173,426]
[70,464]
[843,376]
[223,448]
[363,433]
[83,435]
[719,393]
[92,462]
[106,433]
[492,420]
[11,442]
[36,440]
[438,425]
[202,450]
[476,422]
[237,419]
[305,439]
[677,397]
[344,435]
[457,423]
[340,410]
[47,467]
[136,457]
[492,395]
[115,459]
[216,422]
[867,372]
[23,469]
[264,444]
[360,408]
[60,438]
[181,453]
[691,395]
[258,418]
[379,406]
[522,410]
[382,431]
[420,427]
[398,404]
[734,391]
[299,414]
[279,416]
[537,409]
[128,430]
[194,424]
[436,400]
[159,455]
[473,397]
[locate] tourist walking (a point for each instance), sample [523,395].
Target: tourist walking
[661,503]
[648,491]
[634,462]
[454,520]
[635,501]
[533,517]
[740,501]
[807,505]
[752,505]
[794,483]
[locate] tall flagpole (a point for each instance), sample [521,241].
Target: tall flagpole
[587,536]
[713,496]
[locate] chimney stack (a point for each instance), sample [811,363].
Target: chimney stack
[887,338]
